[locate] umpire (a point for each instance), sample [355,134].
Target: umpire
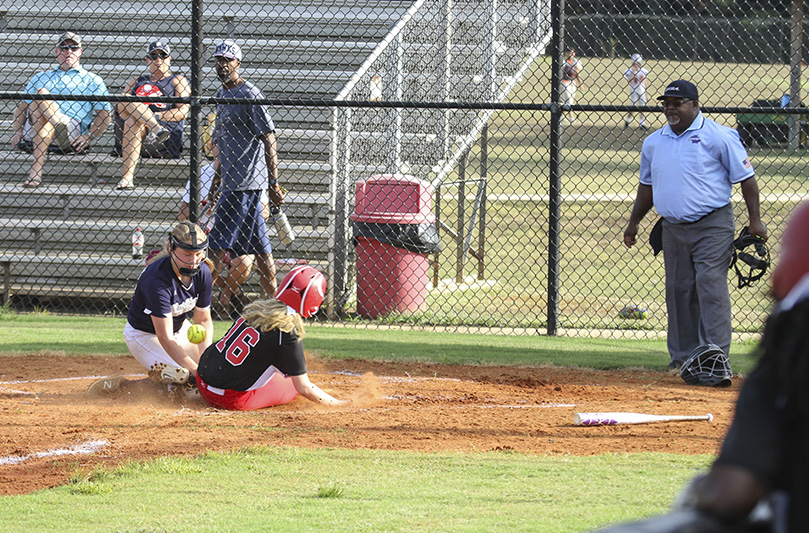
[687,172]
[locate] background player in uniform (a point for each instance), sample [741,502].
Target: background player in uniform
[635,76]
[571,78]
[154,129]
[260,362]
[175,283]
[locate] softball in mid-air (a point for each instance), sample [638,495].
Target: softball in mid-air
[197,334]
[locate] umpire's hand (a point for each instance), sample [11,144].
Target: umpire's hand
[630,234]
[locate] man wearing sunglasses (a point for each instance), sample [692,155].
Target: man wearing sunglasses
[247,166]
[60,126]
[687,172]
[152,129]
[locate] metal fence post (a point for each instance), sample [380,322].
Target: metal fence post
[554,186]
[196,110]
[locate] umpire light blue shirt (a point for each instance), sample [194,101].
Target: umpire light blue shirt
[693,173]
[73,81]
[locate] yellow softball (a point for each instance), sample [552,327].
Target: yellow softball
[196,334]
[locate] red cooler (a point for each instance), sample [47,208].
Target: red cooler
[390,278]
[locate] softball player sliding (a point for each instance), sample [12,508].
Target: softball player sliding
[260,362]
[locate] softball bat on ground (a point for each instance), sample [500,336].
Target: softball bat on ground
[611,419]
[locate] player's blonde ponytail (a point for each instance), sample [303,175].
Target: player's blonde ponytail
[265,315]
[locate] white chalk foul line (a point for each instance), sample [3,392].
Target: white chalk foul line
[79,449]
[78,378]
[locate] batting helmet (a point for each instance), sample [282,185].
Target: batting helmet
[750,250]
[707,365]
[303,289]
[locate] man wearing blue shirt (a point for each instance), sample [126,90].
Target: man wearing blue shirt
[687,172]
[49,125]
[248,165]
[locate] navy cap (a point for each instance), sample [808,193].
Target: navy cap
[228,49]
[158,45]
[680,89]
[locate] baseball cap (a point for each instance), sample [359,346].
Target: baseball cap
[158,45]
[680,89]
[636,58]
[228,49]
[69,36]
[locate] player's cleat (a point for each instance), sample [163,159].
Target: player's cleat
[162,373]
[108,385]
[181,393]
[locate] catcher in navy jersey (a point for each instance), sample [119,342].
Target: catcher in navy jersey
[260,362]
[176,282]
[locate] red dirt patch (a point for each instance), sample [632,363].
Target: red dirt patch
[397,406]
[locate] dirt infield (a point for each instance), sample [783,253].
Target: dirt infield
[52,429]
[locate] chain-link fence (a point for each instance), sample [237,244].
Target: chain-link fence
[430,172]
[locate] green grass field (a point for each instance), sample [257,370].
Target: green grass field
[288,489]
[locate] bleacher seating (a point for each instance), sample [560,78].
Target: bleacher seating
[74,231]
[298,49]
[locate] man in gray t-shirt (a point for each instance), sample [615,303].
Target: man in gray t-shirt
[248,165]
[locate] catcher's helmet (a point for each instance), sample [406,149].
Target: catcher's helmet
[707,365]
[750,250]
[303,289]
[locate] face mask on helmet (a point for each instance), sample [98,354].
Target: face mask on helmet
[185,268]
[751,251]
[707,365]
[303,289]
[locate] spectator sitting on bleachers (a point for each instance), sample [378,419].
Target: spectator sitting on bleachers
[60,126]
[151,129]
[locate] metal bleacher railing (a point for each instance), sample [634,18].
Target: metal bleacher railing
[439,52]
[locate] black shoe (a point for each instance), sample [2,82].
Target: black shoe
[626,124]
[675,366]
[644,127]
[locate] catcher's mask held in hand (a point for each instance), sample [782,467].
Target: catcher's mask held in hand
[750,250]
[707,365]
